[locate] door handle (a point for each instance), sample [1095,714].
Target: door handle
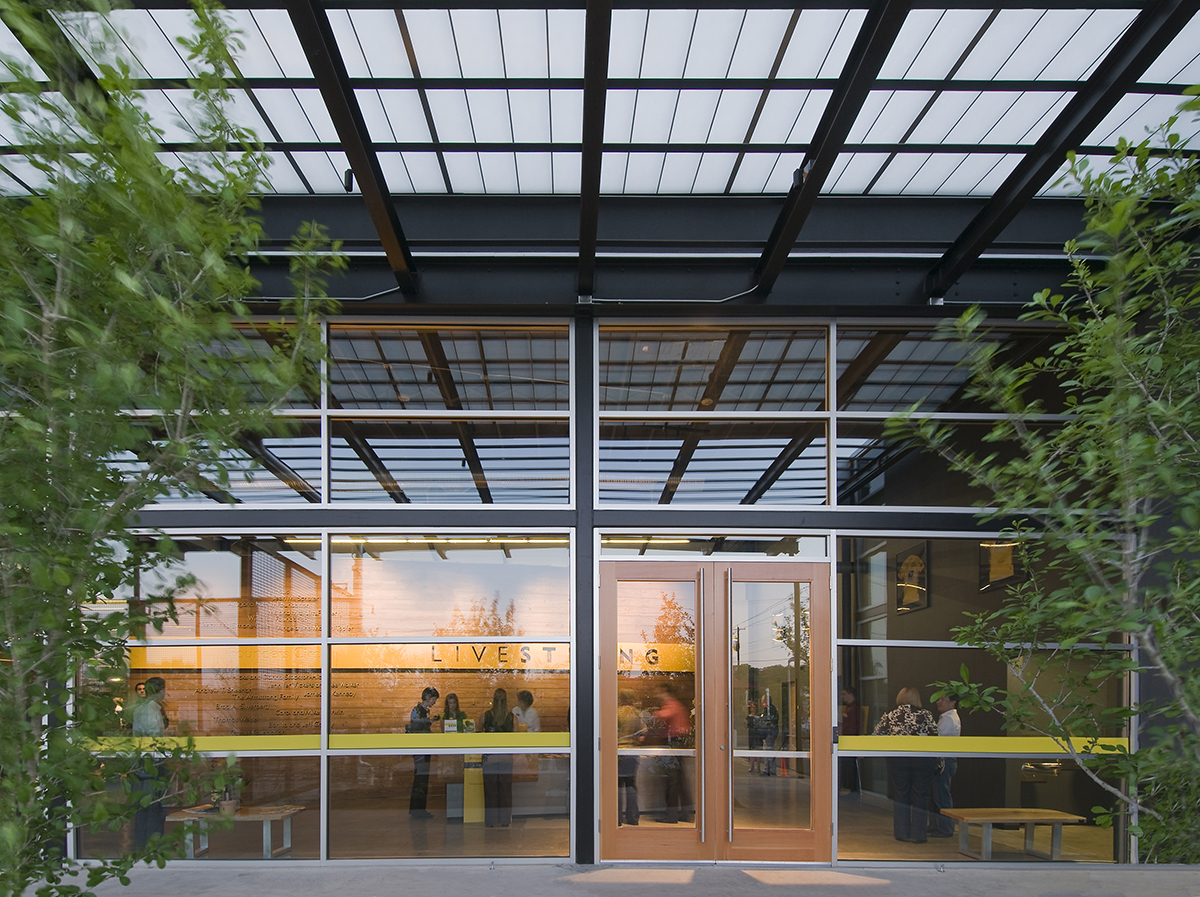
[722,747]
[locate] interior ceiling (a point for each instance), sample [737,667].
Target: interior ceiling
[837,156]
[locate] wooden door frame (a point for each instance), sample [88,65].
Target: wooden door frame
[711,839]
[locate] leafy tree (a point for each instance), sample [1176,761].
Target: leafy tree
[124,374]
[1108,498]
[482,618]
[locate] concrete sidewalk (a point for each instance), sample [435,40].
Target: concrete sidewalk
[299,879]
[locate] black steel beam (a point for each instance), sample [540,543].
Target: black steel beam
[320,46]
[875,38]
[371,460]
[597,34]
[254,447]
[439,366]
[1138,47]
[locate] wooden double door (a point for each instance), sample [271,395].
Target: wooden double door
[715,720]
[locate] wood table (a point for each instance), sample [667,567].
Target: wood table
[205,814]
[989,816]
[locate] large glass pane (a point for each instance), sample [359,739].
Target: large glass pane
[866,818]
[720,461]
[770,700]
[376,687]
[450,461]
[278,816]
[245,587]
[712,547]
[699,370]
[655,670]
[450,586]
[233,689]
[371,798]
[449,369]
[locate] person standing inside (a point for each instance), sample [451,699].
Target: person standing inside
[770,732]
[497,768]
[676,724]
[851,725]
[149,720]
[420,721]
[911,776]
[631,732]
[949,726]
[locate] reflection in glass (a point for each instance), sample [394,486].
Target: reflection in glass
[713,461]
[696,370]
[449,369]
[235,689]
[634,545]
[445,587]
[246,587]
[375,687]
[656,686]
[865,822]
[450,461]
[370,795]
[283,792]
[770,696]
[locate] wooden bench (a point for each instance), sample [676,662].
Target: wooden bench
[266,815]
[989,816]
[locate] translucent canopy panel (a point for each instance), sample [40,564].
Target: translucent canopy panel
[775,370]
[479,369]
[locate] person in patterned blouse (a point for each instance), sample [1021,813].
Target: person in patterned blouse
[911,776]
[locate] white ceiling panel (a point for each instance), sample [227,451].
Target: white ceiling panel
[758,43]
[668,37]
[820,43]
[566,172]
[322,171]
[566,116]
[523,36]
[425,172]
[783,174]
[965,176]
[679,173]
[1047,37]
[612,172]
[465,173]
[153,36]
[625,49]
[404,112]
[499,172]
[394,173]
[653,115]
[930,177]
[1088,45]
[530,111]
[1134,116]
[377,42]
[713,41]
[11,48]
[991,181]
[752,174]
[853,172]
[565,32]
[477,34]
[898,172]
[644,173]
[791,115]
[271,45]
[888,115]
[1180,62]
[943,115]
[1002,39]
[293,119]
[535,173]
[713,174]
[618,115]
[22,171]
[694,116]
[490,115]
[1026,119]
[451,118]
[734,114]
[1063,185]
[433,42]
[931,42]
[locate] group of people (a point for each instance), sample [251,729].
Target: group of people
[497,768]
[668,725]
[917,780]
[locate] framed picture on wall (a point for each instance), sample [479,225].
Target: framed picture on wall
[999,564]
[912,578]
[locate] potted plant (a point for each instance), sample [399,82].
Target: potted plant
[228,785]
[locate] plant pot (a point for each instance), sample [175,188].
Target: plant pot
[228,807]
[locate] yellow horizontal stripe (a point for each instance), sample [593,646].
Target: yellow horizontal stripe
[1017,745]
[474,742]
[216,743]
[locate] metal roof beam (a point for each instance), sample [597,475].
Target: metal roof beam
[273,464]
[1142,43]
[875,38]
[439,366]
[597,35]
[320,46]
